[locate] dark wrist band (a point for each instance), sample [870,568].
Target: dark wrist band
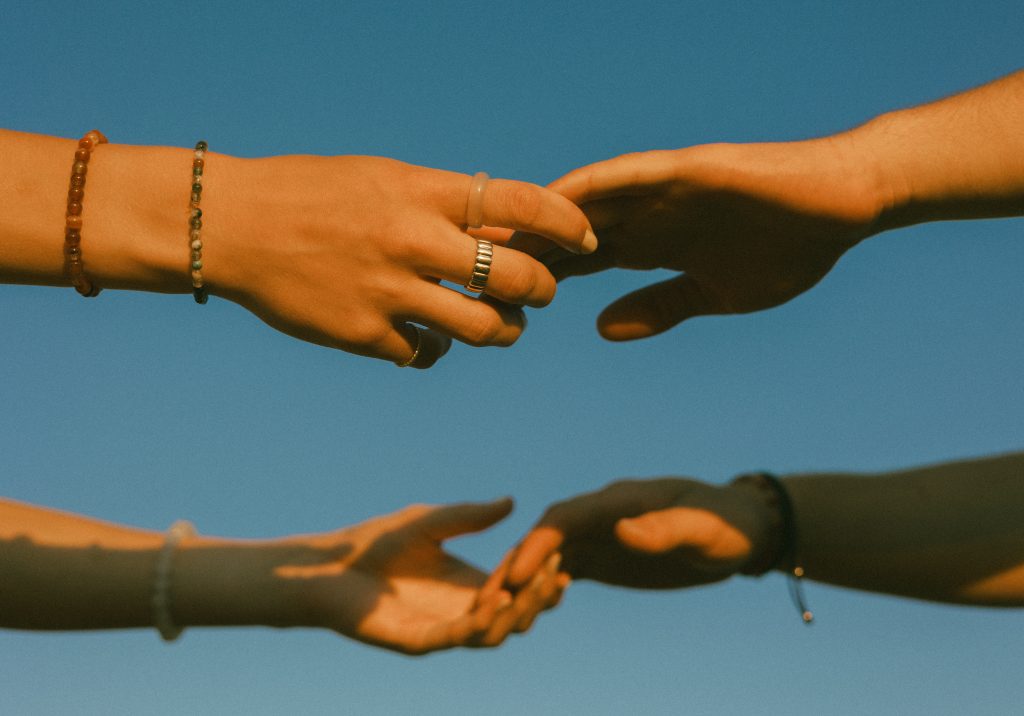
[786,553]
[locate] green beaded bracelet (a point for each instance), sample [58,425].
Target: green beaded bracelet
[195,224]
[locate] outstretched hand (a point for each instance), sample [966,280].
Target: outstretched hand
[749,226]
[651,534]
[350,252]
[391,584]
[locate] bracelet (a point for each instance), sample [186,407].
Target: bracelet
[195,224]
[785,552]
[73,265]
[161,602]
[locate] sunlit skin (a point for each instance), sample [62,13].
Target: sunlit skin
[386,581]
[344,251]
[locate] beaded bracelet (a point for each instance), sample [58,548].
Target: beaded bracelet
[785,552]
[161,601]
[73,265]
[195,224]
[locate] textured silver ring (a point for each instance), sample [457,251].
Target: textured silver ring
[482,267]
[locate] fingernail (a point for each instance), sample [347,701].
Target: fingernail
[589,245]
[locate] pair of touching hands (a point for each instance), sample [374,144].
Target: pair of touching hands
[747,226]
[395,586]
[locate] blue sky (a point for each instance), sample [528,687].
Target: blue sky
[144,408]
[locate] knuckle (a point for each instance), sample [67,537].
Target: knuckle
[367,333]
[518,279]
[523,201]
[483,330]
[415,510]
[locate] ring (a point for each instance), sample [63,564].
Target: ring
[482,268]
[416,352]
[475,203]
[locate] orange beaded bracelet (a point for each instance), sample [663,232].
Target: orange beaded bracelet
[73,218]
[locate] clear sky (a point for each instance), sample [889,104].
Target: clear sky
[147,408]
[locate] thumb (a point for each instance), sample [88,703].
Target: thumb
[656,308]
[659,531]
[452,520]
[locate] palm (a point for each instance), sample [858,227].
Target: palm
[389,582]
[413,592]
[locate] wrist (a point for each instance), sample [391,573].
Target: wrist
[220,582]
[875,146]
[136,218]
[766,520]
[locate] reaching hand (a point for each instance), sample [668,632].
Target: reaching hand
[392,585]
[750,226]
[348,252]
[653,534]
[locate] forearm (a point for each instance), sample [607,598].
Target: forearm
[64,571]
[135,213]
[952,533]
[959,158]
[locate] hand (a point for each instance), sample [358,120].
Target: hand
[649,534]
[348,252]
[750,226]
[392,585]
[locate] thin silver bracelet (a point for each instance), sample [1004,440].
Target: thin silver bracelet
[162,619]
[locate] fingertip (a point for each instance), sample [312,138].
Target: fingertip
[613,328]
[519,572]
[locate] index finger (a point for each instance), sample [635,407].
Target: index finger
[527,207]
[533,552]
[625,175]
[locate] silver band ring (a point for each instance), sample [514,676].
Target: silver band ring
[475,203]
[416,352]
[482,267]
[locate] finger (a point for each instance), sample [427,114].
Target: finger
[543,594]
[656,308]
[484,615]
[528,207]
[495,234]
[603,215]
[534,245]
[495,580]
[531,554]
[626,175]
[537,597]
[606,213]
[477,322]
[448,521]
[410,346]
[514,277]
